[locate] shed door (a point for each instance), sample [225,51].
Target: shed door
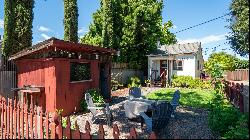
[104,74]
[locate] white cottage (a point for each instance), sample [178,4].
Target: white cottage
[178,59]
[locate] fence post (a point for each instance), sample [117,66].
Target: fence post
[133,134]
[101,132]
[241,102]
[152,136]
[59,127]
[47,125]
[116,132]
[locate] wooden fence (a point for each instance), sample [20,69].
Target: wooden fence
[18,122]
[238,75]
[234,94]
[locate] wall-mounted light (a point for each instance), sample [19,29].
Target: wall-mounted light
[118,53]
[96,56]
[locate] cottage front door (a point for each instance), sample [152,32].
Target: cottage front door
[164,71]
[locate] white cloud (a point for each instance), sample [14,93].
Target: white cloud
[1,24]
[44,29]
[82,30]
[45,36]
[204,40]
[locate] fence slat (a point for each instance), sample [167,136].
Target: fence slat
[152,136]
[66,131]
[31,122]
[26,121]
[8,120]
[40,123]
[116,132]
[14,120]
[18,121]
[11,120]
[76,133]
[133,134]
[101,132]
[47,125]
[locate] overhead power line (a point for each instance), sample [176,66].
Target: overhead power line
[202,23]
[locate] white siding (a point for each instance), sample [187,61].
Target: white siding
[188,65]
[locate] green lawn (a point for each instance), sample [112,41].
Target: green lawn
[189,97]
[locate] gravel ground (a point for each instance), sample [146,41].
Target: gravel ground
[189,123]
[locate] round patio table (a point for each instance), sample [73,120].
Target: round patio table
[135,106]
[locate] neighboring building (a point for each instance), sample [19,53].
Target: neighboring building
[178,59]
[60,72]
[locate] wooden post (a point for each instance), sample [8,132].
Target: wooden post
[101,132]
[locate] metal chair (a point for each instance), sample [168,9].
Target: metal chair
[98,112]
[135,92]
[160,116]
[175,102]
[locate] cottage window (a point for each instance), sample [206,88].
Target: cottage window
[178,65]
[164,64]
[79,71]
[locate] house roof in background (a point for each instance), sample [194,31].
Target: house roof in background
[175,49]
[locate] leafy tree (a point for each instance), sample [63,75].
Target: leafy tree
[70,20]
[226,61]
[18,25]
[133,27]
[24,15]
[8,26]
[239,37]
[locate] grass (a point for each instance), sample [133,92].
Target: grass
[189,97]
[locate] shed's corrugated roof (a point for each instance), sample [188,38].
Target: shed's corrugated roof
[181,48]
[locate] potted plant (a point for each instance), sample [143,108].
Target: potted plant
[147,82]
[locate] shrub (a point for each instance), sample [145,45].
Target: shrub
[134,82]
[227,120]
[115,85]
[96,96]
[189,82]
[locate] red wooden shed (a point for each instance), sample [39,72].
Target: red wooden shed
[59,73]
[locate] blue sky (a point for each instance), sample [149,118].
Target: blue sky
[48,21]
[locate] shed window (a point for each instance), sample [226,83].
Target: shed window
[178,65]
[79,71]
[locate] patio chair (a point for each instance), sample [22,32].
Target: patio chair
[98,112]
[135,92]
[159,118]
[175,102]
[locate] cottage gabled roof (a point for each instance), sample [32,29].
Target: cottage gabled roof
[175,49]
[54,43]
[182,48]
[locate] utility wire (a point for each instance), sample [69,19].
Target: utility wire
[202,23]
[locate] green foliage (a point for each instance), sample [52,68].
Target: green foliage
[240,130]
[96,97]
[18,25]
[239,37]
[70,20]
[134,82]
[189,82]
[8,27]
[115,85]
[199,98]
[242,64]
[226,120]
[59,111]
[226,61]
[132,26]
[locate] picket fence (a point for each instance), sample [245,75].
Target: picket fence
[234,94]
[20,121]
